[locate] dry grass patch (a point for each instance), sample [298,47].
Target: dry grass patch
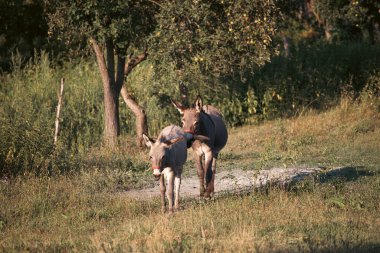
[327,139]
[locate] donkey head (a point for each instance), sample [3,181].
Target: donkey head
[159,153]
[190,116]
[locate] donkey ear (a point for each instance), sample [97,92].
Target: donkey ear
[201,138]
[178,105]
[173,141]
[148,141]
[199,103]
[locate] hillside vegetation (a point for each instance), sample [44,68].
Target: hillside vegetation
[312,79]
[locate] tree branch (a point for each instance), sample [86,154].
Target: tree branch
[141,119]
[154,2]
[134,61]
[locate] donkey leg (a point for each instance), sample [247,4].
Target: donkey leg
[177,184]
[208,173]
[212,184]
[198,159]
[162,190]
[169,193]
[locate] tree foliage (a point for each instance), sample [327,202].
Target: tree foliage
[332,20]
[215,37]
[22,28]
[125,23]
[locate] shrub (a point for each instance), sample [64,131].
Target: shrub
[27,115]
[315,77]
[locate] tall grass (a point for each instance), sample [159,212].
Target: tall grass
[28,98]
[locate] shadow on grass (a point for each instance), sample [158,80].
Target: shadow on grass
[337,178]
[346,174]
[318,247]
[346,247]
[303,182]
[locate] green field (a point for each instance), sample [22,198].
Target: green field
[85,210]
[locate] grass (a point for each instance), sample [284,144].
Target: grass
[85,210]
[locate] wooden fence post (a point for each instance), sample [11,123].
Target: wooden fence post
[58,111]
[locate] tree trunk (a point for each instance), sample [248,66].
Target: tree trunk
[141,119]
[376,32]
[111,90]
[328,28]
[286,43]
[111,118]
[112,87]
[371,32]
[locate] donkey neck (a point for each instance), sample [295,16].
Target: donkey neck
[207,124]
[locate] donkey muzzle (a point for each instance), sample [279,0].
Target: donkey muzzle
[156,172]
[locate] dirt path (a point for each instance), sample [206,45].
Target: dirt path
[233,181]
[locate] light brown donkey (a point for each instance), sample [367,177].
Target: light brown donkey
[204,120]
[168,154]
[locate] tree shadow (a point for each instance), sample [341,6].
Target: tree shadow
[347,174]
[318,247]
[337,177]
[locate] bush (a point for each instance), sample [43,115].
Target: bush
[28,111]
[315,77]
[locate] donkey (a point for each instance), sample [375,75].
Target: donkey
[207,121]
[168,154]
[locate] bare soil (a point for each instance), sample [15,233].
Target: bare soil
[233,181]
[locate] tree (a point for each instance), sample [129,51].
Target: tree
[190,37]
[22,28]
[346,19]
[114,29]
[365,14]
[215,37]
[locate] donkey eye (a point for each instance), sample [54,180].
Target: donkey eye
[195,123]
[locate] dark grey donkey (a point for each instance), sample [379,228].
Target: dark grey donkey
[207,121]
[168,154]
